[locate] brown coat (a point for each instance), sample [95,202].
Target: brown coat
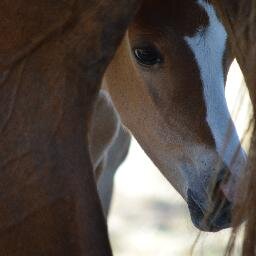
[52,57]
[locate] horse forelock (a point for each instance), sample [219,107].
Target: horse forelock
[174,15]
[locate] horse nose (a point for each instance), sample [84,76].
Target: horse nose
[215,187]
[214,213]
[221,208]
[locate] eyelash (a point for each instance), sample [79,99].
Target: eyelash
[147,56]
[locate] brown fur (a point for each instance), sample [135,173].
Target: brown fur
[52,57]
[239,18]
[164,105]
[108,143]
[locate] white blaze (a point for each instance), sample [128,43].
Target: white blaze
[208,47]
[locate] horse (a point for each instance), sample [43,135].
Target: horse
[52,58]
[166,81]
[53,55]
[239,18]
[109,143]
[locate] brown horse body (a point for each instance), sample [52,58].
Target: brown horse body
[52,57]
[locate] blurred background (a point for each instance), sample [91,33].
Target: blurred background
[148,217]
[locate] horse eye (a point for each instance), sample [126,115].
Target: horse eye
[147,56]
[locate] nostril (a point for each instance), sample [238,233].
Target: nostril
[212,218]
[223,175]
[217,194]
[220,204]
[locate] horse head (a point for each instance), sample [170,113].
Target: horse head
[167,82]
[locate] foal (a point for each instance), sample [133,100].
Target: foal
[167,83]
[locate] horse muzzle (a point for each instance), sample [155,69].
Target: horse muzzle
[209,184]
[216,216]
[211,203]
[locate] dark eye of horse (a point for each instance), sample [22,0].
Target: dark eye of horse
[147,56]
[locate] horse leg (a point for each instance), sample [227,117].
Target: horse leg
[115,156]
[109,143]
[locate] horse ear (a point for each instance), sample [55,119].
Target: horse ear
[104,127]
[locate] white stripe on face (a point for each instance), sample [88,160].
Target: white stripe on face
[208,46]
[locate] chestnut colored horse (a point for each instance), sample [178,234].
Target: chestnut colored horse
[52,58]
[239,18]
[167,83]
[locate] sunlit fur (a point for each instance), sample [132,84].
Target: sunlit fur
[177,110]
[208,46]
[239,18]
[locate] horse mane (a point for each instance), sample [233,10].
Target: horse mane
[239,18]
